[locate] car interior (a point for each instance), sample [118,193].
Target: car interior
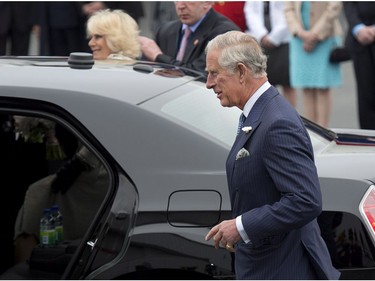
[44,164]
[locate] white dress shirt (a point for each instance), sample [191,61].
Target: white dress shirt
[246,110]
[254,15]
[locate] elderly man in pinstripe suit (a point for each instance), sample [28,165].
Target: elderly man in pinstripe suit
[272,179]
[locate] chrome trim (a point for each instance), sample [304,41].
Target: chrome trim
[92,243]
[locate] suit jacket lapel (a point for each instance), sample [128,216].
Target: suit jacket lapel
[239,143]
[200,34]
[253,120]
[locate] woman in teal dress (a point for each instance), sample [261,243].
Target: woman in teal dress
[316,30]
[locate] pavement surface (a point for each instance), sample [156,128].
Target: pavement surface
[344,101]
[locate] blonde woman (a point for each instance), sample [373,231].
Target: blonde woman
[113,35]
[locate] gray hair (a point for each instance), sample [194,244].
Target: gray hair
[239,47]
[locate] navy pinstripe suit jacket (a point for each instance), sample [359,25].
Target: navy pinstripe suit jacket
[277,192]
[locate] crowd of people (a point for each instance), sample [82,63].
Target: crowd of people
[293,34]
[298,38]
[284,44]
[59,26]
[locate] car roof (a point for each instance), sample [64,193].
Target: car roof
[100,99]
[104,78]
[107,83]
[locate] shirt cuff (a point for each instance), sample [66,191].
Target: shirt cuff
[241,230]
[357,28]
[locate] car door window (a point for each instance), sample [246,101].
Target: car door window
[48,166]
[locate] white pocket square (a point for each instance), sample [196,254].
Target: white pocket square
[242,153]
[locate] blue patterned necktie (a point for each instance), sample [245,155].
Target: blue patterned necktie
[240,123]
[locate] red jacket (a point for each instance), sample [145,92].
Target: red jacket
[232,10]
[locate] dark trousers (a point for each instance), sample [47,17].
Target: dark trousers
[65,41]
[19,41]
[364,68]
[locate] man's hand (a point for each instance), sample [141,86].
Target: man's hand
[224,234]
[149,48]
[366,35]
[267,43]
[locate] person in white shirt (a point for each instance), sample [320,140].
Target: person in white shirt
[266,22]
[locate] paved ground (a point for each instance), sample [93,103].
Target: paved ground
[344,110]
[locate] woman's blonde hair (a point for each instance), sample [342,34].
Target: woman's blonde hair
[119,29]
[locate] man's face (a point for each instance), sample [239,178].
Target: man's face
[226,86]
[190,12]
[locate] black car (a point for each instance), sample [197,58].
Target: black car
[134,156]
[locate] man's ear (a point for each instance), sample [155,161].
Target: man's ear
[242,71]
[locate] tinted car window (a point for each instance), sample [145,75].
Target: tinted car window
[49,165]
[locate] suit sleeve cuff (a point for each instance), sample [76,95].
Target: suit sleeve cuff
[164,59]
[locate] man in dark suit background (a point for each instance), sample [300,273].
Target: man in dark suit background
[133,8]
[16,22]
[360,41]
[205,23]
[63,24]
[273,183]
[60,28]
